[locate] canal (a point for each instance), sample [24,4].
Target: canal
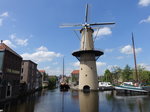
[74,101]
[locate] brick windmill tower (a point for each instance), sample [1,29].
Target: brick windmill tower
[87,55]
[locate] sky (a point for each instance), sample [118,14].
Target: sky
[31,28]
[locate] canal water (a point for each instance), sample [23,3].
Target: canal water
[74,101]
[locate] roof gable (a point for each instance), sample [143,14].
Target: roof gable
[5,47]
[75,72]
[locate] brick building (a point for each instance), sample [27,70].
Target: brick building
[38,80]
[10,71]
[29,74]
[75,77]
[44,78]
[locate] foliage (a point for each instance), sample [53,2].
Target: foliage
[127,73]
[116,72]
[144,75]
[108,76]
[74,78]
[117,75]
[52,81]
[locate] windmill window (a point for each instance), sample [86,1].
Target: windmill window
[86,75]
[81,68]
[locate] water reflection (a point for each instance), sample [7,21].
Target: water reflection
[25,104]
[89,102]
[110,102]
[74,101]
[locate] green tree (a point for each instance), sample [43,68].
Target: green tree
[127,73]
[108,76]
[52,81]
[141,73]
[144,75]
[116,73]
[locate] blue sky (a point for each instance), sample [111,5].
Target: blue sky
[31,28]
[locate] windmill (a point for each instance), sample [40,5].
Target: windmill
[87,55]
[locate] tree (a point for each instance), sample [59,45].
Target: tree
[127,73]
[141,73]
[116,73]
[52,81]
[144,75]
[108,76]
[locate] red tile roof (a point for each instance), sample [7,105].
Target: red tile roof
[5,47]
[43,71]
[75,72]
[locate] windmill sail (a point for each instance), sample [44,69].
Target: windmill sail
[86,14]
[86,24]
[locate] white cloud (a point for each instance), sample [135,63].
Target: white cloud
[100,64]
[42,48]
[146,66]
[2,16]
[76,64]
[111,67]
[5,14]
[41,56]
[108,50]
[144,3]
[128,50]
[53,71]
[57,70]
[21,42]
[9,43]
[147,20]
[102,32]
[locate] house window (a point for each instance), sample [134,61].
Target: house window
[8,90]
[22,70]
[1,60]
[21,77]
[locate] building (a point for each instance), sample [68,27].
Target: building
[38,84]
[29,74]
[44,78]
[87,55]
[10,71]
[75,77]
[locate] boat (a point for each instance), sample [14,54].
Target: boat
[63,85]
[105,86]
[130,87]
